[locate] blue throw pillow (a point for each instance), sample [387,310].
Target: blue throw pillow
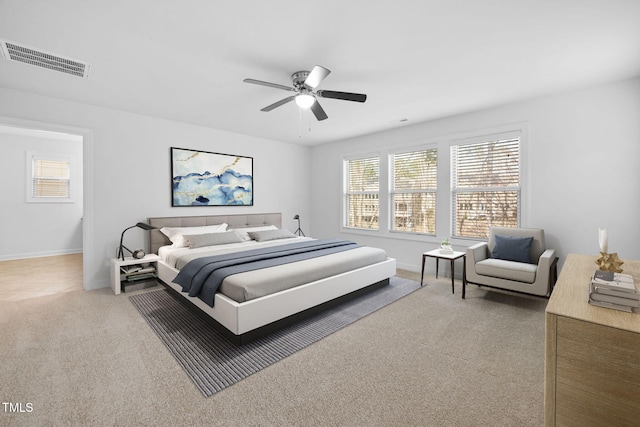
[512,248]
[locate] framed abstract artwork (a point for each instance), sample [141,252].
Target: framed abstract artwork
[201,178]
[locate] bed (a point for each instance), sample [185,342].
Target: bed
[242,308]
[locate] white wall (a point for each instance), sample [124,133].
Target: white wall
[582,171]
[46,228]
[127,170]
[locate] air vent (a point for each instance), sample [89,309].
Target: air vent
[39,58]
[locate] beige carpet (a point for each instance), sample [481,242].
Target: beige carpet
[214,362]
[429,359]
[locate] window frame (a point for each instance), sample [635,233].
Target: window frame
[346,193]
[392,189]
[31,158]
[444,215]
[520,188]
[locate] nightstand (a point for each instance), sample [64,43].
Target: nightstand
[132,270]
[448,256]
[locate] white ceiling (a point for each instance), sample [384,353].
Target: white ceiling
[416,60]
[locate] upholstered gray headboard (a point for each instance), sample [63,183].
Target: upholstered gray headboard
[157,239]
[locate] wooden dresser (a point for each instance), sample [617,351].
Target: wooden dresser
[592,354]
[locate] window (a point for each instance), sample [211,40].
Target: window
[413,191]
[485,186]
[49,179]
[361,193]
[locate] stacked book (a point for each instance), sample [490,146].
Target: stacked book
[613,290]
[134,273]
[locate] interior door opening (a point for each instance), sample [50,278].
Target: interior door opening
[43,244]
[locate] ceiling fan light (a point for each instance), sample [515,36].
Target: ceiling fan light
[304,100]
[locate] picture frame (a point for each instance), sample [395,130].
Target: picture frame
[203,178]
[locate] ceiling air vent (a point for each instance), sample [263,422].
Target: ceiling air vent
[39,58]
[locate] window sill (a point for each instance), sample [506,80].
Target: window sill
[396,235]
[50,200]
[413,237]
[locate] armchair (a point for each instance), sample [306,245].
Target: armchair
[502,262]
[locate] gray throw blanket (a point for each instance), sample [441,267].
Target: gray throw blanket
[203,276]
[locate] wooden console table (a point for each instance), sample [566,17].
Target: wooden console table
[592,354]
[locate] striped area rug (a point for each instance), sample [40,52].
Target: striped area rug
[214,363]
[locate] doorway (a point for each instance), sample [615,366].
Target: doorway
[42,234]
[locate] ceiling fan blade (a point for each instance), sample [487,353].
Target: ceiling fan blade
[316,76]
[346,96]
[318,111]
[275,85]
[278,104]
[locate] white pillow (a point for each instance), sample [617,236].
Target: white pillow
[176,234]
[266,235]
[244,232]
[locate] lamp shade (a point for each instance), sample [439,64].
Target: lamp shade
[304,100]
[145,226]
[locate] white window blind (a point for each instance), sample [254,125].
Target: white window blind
[485,182]
[50,178]
[413,190]
[362,186]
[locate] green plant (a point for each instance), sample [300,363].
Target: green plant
[446,242]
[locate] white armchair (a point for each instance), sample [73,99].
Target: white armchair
[536,275]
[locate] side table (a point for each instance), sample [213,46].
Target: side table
[451,257]
[118,265]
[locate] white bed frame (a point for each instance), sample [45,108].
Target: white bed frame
[248,320]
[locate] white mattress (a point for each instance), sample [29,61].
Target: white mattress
[255,284]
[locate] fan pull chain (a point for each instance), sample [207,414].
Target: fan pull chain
[300,124]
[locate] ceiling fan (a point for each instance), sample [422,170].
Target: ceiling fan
[304,84]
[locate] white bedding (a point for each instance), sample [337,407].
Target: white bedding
[255,284]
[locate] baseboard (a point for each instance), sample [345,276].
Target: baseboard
[40,254]
[408,267]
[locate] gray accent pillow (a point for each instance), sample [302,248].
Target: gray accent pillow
[511,248]
[212,239]
[244,231]
[263,236]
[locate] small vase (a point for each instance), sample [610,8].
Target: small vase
[446,249]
